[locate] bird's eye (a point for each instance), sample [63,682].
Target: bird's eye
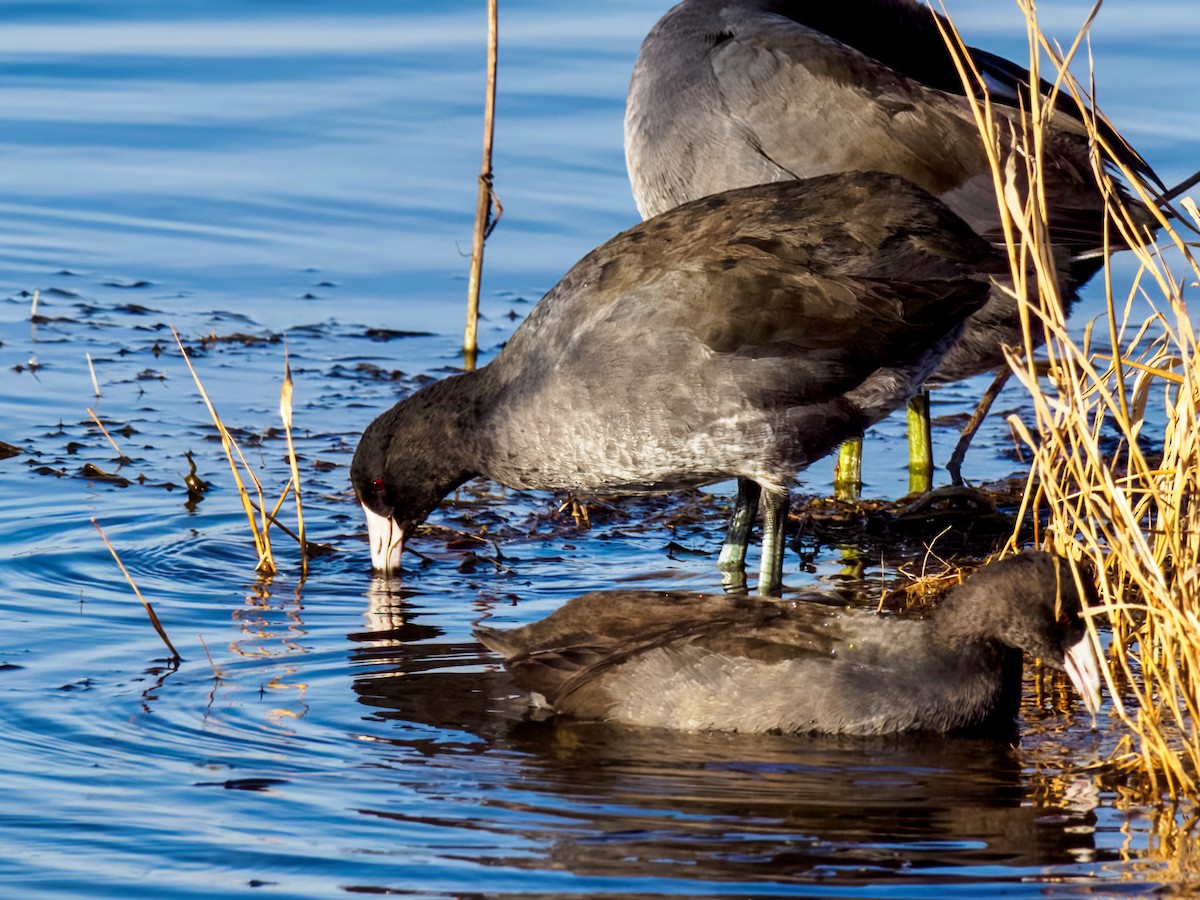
[377,485]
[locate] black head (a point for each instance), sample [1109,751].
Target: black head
[407,460]
[1033,602]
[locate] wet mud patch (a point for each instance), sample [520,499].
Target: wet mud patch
[967,524]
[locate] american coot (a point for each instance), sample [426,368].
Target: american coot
[728,93]
[736,663]
[740,336]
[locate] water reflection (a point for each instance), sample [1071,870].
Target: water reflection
[732,807]
[599,800]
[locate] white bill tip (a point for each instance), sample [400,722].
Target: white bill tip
[1083,668]
[387,542]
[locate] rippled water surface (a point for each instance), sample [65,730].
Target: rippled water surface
[299,179]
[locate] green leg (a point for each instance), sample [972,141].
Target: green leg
[853,565]
[847,474]
[770,573]
[732,561]
[920,445]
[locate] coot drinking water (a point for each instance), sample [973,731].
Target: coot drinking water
[744,335]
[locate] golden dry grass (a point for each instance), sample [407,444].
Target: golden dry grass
[1099,485]
[175,657]
[259,518]
[285,413]
[233,453]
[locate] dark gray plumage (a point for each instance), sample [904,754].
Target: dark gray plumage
[727,93]
[735,663]
[741,336]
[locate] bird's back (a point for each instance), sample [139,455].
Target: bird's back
[689,345]
[727,93]
[693,662]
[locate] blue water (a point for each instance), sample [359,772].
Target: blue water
[299,174]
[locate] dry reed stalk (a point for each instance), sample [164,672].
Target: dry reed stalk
[484,223]
[104,431]
[931,581]
[285,411]
[92,370]
[262,539]
[1135,517]
[216,672]
[273,514]
[175,657]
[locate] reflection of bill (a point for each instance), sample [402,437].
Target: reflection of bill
[407,670]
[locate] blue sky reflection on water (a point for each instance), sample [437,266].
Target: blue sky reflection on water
[231,141]
[309,169]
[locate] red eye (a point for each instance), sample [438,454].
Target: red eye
[377,485]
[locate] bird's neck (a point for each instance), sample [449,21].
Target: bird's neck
[444,427]
[969,615]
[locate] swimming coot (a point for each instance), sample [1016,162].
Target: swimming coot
[728,93]
[737,663]
[743,336]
